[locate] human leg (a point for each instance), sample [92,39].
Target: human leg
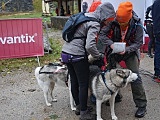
[82,72]
[157,59]
[149,27]
[138,91]
[74,83]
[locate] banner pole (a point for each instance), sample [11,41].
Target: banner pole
[38,61]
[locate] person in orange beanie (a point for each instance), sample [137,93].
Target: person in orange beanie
[94,5]
[126,29]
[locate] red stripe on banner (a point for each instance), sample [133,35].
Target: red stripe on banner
[21,38]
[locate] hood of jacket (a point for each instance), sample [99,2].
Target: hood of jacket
[104,11]
[135,16]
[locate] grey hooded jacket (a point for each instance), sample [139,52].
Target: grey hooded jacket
[91,30]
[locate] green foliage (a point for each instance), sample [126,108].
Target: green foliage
[37,4]
[56,46]
[22,15]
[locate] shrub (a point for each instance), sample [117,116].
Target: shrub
[37,4]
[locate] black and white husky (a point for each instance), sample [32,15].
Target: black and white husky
[104,87]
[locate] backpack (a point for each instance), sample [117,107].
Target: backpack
[72,24]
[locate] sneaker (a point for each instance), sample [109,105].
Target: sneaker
[86,115]
[77,111]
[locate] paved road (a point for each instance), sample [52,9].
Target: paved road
[22,99]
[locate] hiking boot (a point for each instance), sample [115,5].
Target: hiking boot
[141,111]
[86,115]
[77,111]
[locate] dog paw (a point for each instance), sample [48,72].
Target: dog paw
[73,108]
[49,104]
[99,119]
[54,100]
[114,118]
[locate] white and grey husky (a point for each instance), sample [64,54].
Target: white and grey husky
[51,74]
[105,87]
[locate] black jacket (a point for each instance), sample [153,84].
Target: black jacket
[156,16]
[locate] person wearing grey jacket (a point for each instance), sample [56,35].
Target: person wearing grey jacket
[126,28]
[77,51]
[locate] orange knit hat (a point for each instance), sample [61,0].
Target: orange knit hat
[124,12]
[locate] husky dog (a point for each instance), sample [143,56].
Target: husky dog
[51,74]
[105,87]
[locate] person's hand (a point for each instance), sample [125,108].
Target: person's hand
[112,46]
[91,58]
[100,61]
[122,53]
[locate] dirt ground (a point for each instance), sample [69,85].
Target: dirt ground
[22,99]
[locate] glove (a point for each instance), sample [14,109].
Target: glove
[100,61]
[91,59]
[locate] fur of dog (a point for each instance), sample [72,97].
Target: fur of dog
[106,87]
[49,75]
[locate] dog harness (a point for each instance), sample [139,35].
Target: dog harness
[54,64]
[104,80]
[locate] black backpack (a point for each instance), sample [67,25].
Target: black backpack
[72,24]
